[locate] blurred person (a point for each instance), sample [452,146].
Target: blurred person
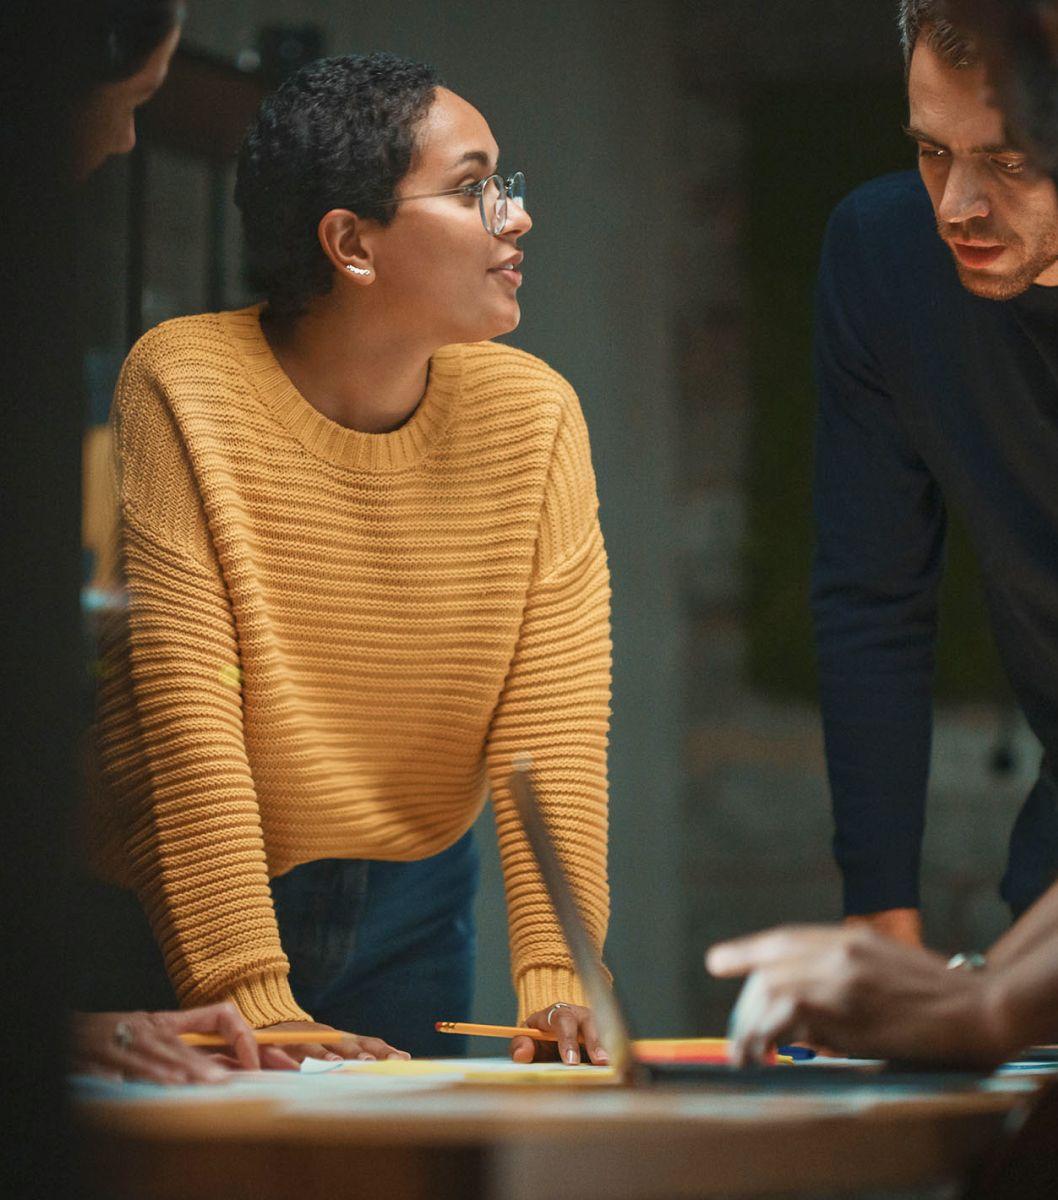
[364,570]
[938,364]
[131,43]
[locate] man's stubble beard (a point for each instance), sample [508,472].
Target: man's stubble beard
[998,287]
[1004,287]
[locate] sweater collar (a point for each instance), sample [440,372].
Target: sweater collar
[399,450]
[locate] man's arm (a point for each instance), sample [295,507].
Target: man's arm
[880,531]
[901,924]
[866,995]
[1036,928]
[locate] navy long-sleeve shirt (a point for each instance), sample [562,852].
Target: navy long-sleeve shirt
[930,398]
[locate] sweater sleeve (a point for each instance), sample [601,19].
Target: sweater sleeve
[555,706]
[170,734]
[880,533]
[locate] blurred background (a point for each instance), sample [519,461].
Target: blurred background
[682,158]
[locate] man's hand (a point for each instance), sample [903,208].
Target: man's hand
[573,1024]
[901,924]
[147,1046]
[860,992]
[366,1049]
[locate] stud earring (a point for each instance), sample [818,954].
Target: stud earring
[358,270]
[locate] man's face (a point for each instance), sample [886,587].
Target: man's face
[997,213]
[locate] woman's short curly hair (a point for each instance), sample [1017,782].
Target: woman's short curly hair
[339,133]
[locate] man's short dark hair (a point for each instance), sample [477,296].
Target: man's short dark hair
[339,133]
[931,19]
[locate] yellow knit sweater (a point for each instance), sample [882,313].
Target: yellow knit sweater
[335,642]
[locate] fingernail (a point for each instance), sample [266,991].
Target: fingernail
[396,1054]
[215,1074]
[600,1055]
[330,1056]
[367,1058]
[571,1056]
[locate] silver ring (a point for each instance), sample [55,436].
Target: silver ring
[122,1035]
[551,1012]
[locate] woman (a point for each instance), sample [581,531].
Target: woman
[130,44]
[127,46]
[365,570]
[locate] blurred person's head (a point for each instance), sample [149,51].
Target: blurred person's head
[337,183]
[996,210]
[131,43]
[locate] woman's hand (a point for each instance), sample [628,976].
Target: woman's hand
[574,1026]
[366,1049]
[147,1046]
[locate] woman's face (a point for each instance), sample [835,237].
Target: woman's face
[106,123]
[435,263]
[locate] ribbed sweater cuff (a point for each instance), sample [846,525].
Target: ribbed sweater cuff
[540,987]
[267,1000]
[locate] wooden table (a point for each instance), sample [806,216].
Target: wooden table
[508,1142]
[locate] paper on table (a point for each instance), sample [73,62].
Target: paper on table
[464,1070]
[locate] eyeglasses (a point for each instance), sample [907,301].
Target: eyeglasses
[493,193]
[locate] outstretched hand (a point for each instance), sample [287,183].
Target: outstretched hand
[857,991]
[351,1046]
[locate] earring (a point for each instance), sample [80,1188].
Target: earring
[358,270]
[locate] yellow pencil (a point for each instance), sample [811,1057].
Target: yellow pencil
[500,1031]
[651,1049]
[542,1035]
[269,1037]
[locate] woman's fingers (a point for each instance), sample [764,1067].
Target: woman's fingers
[367,1048]
[275,1058]
[308,1049]
[155,1039]
[139,1046]
[565,1023]
[352,1045]
[573,1026]
[223,1019]
[523,1049]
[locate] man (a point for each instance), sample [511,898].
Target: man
[932,395]
[938,365]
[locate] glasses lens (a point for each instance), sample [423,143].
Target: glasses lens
[516,189]
[493,205]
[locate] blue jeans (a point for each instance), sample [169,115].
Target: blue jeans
[384,948]
[380,948]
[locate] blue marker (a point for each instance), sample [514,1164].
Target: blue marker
[797,1053]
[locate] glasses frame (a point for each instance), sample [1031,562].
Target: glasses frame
[507,189]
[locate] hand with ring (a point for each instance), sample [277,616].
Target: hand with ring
[574,1026]
[147,1046]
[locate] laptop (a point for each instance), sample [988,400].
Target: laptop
[614,1029]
